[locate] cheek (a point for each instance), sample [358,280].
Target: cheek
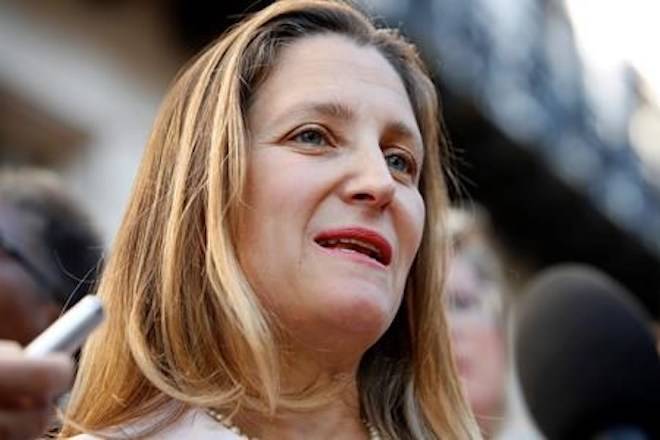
[488,351]
[281,183]
[489,362]
[268,192]
[278,202]
[421,219]
[411,227]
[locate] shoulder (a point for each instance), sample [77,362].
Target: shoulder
[195,423]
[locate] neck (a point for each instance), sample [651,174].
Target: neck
[336,413]
[327,422]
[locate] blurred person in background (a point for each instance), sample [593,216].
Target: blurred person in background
[476,296]
[49,255]
[480,301]
[49,252]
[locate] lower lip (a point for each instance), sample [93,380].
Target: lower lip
[352,256]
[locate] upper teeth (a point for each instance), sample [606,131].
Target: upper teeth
[369,246]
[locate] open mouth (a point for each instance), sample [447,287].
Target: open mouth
[358,240]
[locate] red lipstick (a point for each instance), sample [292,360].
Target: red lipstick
[359,240]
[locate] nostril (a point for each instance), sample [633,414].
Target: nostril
[363,196]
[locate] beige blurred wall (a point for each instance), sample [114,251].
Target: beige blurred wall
[96,68]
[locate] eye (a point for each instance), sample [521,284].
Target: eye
[312,136]
[400,162]
[465,303]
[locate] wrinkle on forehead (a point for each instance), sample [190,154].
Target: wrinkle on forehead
[327,52]
[319,68]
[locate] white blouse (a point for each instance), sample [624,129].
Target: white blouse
[194,424]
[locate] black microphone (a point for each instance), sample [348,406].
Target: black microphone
[586,358]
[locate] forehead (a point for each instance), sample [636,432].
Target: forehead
[332,67]
[336,54]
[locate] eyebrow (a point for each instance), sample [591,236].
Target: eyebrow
[332,109]
[340,111]
[403,130]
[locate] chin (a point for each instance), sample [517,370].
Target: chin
[366,313]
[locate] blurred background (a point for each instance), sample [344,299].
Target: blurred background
[552,106]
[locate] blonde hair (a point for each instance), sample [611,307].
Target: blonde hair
[183,322]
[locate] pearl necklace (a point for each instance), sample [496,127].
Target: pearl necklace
[224,421]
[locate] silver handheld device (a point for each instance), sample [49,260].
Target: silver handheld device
[68,333]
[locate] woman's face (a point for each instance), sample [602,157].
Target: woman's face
[334,216]
[477,335]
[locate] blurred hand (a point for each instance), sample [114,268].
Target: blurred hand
[28,388]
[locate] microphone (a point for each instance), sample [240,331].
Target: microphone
[586,358]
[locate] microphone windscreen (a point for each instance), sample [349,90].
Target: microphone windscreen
[585,355]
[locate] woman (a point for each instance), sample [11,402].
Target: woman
[479,295]
[476,293]
[275,273]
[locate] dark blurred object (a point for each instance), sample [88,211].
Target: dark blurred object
[200,22]
[49,253]
[586,357]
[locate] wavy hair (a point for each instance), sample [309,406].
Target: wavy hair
[183,322]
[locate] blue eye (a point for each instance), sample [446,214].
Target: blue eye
[311,136]
[400,163]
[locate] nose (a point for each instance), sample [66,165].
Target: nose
[370,182]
